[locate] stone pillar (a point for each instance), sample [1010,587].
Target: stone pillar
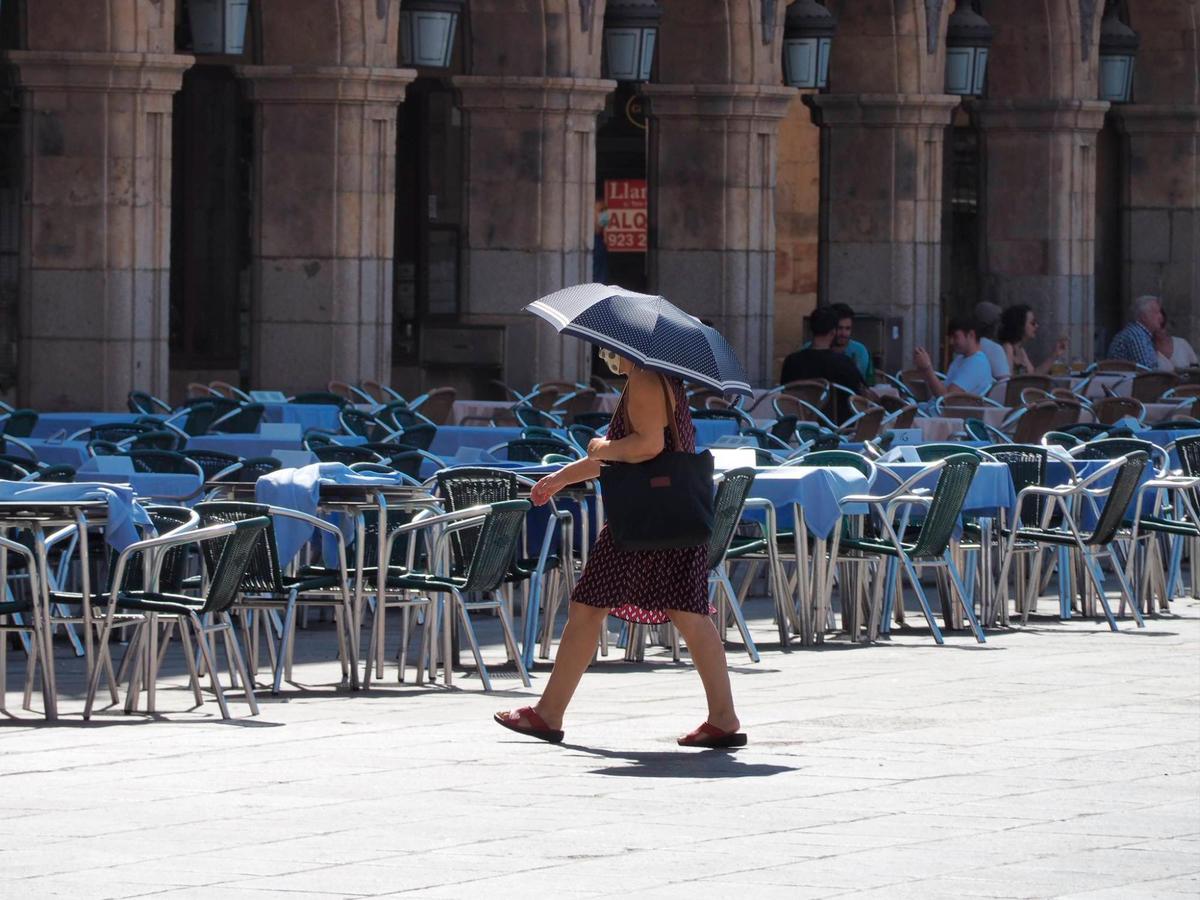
[1040,213]
[530,161]
[95,224]
[713,157]
[1161,210]
[324,220]
[881,216]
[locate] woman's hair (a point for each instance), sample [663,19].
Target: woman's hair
[1012,324]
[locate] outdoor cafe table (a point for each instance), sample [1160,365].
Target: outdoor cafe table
[55,453]
[307,415]
[65,424]
[808,499]
[328,490]
[39,508]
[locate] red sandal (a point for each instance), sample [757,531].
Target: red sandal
[540,730]
[711,736]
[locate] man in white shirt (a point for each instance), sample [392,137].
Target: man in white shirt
[987,315]
[970,373]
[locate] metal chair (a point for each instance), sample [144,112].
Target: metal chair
[1015,385]
[147,404]
[435,405]
[345,454]
[1148,387]
[18,423]
[1110,410]
[22,614]
[243,420]
[930,545]
[532,450]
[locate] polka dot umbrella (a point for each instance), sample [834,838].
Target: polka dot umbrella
[649,330]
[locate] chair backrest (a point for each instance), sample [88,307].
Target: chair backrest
[1069,413]
[533,449]
[979,430]
[1111,448]
[946,505]
[532,416]
[262,573]
[582,435]
[252,469]
[732,491]
[914,380]
[317,437]
[784,429]
[495,545]
[1086,431]
[1018,383]
[1115,365]
[1109,410]
[1027,466]
[202,412]
[10,471]
[1116,504]
[97,447]
[817,437]
[325,398]
[173,570]
[934,452]
[420,436]
[462,488]
[163,461]
[1149,386]
[343,390]
[810,390]
[437,405]
[355,421]
[59,474]
[1060,439]
[345,454]
[573,404]
[397,416]
[227,572]
[212,461]
[836,458]
[407,461]
[867,426]
[145,403]
[1035,421]
[20,423]
[161,439]
[1188,450]
[243,420]
[113,432]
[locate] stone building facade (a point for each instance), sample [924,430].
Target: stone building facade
[309,210]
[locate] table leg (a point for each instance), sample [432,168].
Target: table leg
[49,681]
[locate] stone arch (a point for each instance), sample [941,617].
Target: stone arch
[889,46]
[363,33]
[100,26]
[549,39]
[721,42]
[1044,50]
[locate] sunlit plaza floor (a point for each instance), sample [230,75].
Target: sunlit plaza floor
[1057,760]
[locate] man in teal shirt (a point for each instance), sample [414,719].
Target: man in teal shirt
[843,343]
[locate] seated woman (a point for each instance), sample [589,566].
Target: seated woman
[1173,352]
[1017,325]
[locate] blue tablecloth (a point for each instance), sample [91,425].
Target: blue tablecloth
[247,445]
[159,487]
[55,453]
[818,490]
[300,489]
[49,424]
[306,415]
[708,430]
[124,514]
[450,438]
[991,488]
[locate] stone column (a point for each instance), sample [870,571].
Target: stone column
[95,224]
[1040,213]
[713,157]
[324,219]
[530,161]
[881,222]
[1161,209]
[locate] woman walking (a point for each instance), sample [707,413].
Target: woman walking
[641,587]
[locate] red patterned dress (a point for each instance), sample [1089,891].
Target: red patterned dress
[641,585]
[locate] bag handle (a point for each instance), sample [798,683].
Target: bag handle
[662,381]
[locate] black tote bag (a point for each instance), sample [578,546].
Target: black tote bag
[663,503]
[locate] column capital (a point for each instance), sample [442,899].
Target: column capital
[1039,115]
[1134,118]
[724,101]
[325,84]
[516,93]
[882,110]
[139,73]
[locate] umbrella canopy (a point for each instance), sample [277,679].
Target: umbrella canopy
[647,329]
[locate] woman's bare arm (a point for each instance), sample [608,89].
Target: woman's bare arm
[646,412]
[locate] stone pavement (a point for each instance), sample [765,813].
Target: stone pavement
[1059,760]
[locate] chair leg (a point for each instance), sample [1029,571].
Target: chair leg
[510,640]
[465,618]
[231,644]
[722,583]
[1092,567]
[911,570]
[185,641]
[210,663]
[964,599]
[286,637]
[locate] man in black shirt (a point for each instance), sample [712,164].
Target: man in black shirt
[822,361]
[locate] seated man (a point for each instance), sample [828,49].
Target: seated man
[1135,342]
[970,373]
[844,343]
[820,360]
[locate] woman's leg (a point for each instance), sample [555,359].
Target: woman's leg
[575,652]
[708,655]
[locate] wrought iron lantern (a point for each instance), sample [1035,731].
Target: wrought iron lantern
[630,34]
[427,32]
[968,39]
[218,26]
[807,39]
[1118,50]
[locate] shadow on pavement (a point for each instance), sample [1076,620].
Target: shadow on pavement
[678,764]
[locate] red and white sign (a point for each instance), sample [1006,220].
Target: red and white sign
[627,219]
